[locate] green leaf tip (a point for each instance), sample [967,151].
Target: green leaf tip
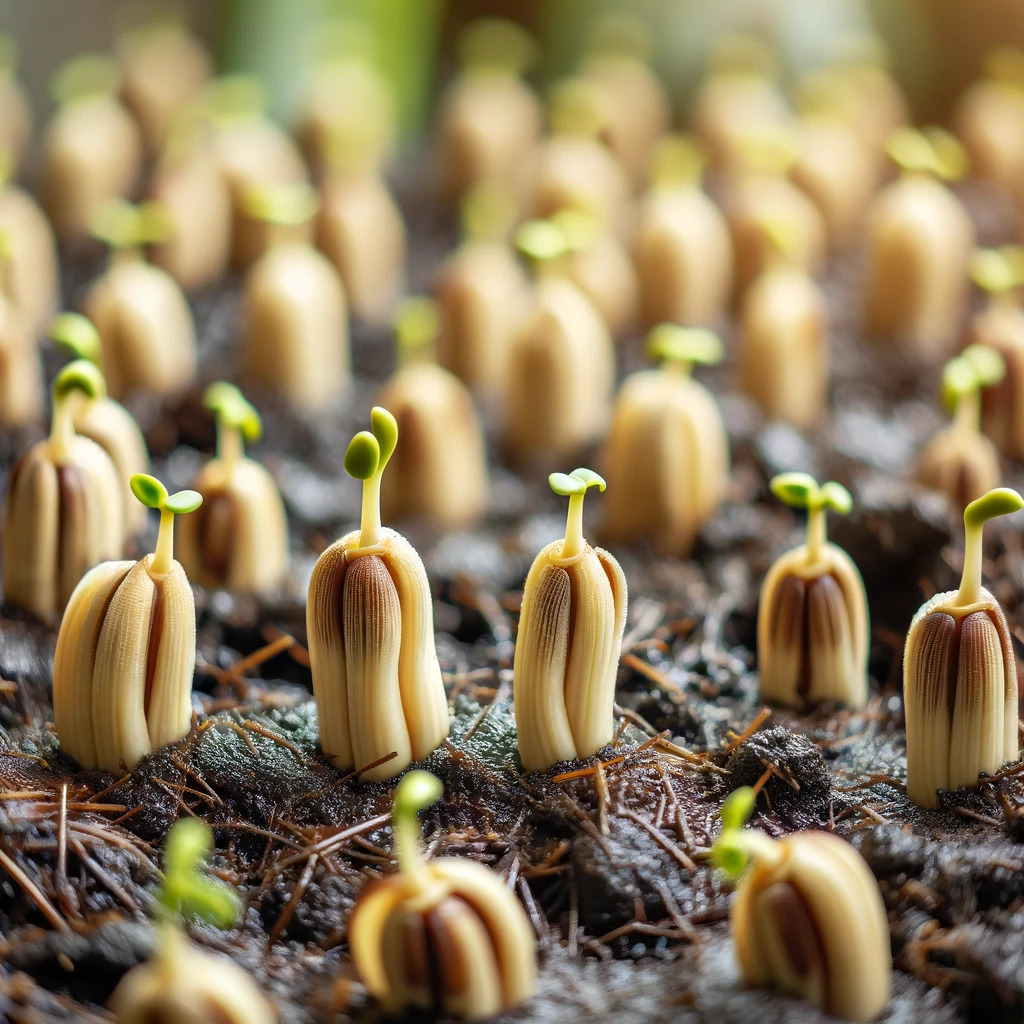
[996,271]
[988,364]
[417,791]
[579,481]
[77,334]
[676,344]
[385,429]
[836,497]
[496,45]
[124,225]
[233,409]
[1002,501]
[148,490]
[281,204]
[416,322]
[931,150]
[798,490]
[978,366]
[738,807]
[541,240]
[185,890]
[182,502]
[86,76]
[362,457]
[81,375]
[728,854]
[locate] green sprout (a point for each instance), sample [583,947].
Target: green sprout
[678,348]
[575,485]
[930,151]
[367,455]
[79,377]
[998,272]
[285,205]
[416,324]
[496,46]
[579,227]
[127,227]
[153,494]
[801,490]
[237,420]
[185,891]
[90,76]
[415,793]
[541,241]
[963,378]
[728,854]
[78,335]
[678,161]
[1002,501]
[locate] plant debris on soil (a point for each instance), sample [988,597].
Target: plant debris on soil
[609,855]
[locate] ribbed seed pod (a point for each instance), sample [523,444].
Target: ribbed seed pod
[252,152]
[181,984]
[490,120]
[783,355]
[370,626]
[238,539]
[145,325]
[63,511]
[667,453]
[295,313]
[103,420]
[481,294]
[361,231]
[561,369]
[1000,325]
[572,168]
[126,650]
[960,675]
[31,274]
[21,400]
[570,636]
[960,461]
[812,620]
[92,149]
[682,248]
[808,917]
[440,469]
[920,240]
[446,936]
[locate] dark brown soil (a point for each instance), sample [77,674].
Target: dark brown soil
[610,861]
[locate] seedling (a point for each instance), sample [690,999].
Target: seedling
[122,674]
[369,618]
[570,634]
[960,460]
[448,911]
[960,674]
[807,917]
[667,453]
[180,982]
[239,540]
[812,621]
[102,419]
[63,511]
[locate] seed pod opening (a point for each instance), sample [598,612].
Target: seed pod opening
[122,676]
[570,636]
[960,675]
[667,454]
[370,623]
[960,461]
[444,935]
[63,511]
[238,539]
[808,917]
[812,619]
[682,249]
[919,242]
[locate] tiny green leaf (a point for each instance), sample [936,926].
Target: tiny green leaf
[676,344]
[959,378]
[362,458]
[281,204]
[148,490]
[233,409]
[566,484]
[579,228]
[496,45]
[729,857]
[91,74]
[1002,501]
[417,791]
[185,889]
[154,223]
[416,322]
[182,502]
[835,496]
[589,478]
[948,154]
[385,430]
[992,272]
[909,150]
[488,211]
[77,333]
[81,375]
[737,808]
[797,490]
[988,364]
[541,240]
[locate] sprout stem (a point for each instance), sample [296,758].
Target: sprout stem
[677,367]
[163,556]
[970,580]
[816,537]
[967,418]
[419,789]
[574,543]
[369,523]
[62,428]
[230,445]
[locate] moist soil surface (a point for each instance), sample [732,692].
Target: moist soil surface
[609,856]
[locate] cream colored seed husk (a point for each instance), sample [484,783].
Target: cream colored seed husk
[30,271]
